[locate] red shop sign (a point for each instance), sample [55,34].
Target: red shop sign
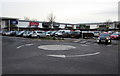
[34,23]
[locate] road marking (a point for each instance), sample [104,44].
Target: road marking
[20,46]
[28,44]
[82,42]
[95,44]
[109,45]
[60,56]
[84,45]
[76,41]
[88,43]
[65,56]
[24,45]
[56,47]
[84,55]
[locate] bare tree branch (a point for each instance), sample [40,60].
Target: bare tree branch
[51,18]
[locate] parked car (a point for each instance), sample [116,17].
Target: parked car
[38,34]
[59,33]
[48,33]
[104,37]
[4,33]
[9,33]
[115,36]
[75,34]
[66,34]
[110,32]
[20,33]
[96,33]
[53,33]
[13,33]
[27,34]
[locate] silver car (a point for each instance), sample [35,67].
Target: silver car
[38,34]
[27,33]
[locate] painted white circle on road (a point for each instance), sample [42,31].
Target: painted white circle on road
[56,47]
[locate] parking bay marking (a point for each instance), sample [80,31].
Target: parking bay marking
[109,45]
[84,45]
[65,56]
[24,45]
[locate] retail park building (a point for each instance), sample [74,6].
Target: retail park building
[8,24]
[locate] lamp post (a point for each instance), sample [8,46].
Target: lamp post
[9,24]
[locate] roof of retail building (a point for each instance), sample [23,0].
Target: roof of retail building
[8,18]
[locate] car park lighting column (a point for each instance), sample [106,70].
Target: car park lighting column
[9,24]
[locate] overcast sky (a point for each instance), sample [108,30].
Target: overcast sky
[68,11]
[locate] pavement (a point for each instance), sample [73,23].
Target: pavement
[22,56]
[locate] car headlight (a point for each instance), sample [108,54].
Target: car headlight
[108,38]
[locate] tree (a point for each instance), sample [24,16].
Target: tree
[51,19]
[107,23]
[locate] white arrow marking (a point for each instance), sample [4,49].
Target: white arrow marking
[20,46]
[61,56]
[84,45]
[64,56]
[83,55]
[28,44]
[24,45]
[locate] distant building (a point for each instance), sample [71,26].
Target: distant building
[8,24]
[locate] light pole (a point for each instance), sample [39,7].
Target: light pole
[9,24]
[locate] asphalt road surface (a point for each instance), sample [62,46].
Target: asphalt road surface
[22,56]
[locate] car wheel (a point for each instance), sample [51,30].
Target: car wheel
[98,42]
[38,37]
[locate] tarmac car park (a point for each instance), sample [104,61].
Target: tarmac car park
[69,56]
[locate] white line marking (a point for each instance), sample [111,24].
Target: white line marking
[109,45]
[83,42]
[28,44]
[61,56]
[84,45]
[20,46]
[84,55]
[24,45]
[64,56]
[76,41]
[88,43]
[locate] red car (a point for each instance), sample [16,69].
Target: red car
[115,36]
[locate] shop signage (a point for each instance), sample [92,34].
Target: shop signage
[34,23]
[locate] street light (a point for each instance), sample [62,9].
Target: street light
[9,24]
